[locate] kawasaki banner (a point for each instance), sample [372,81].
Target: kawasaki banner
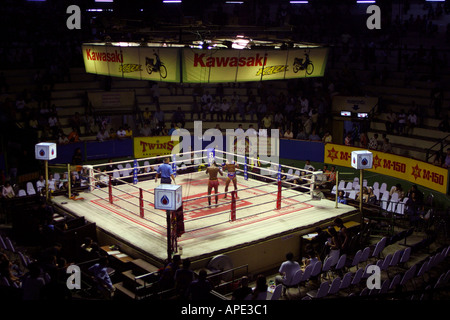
[203,66]
[227,65]
[143,63]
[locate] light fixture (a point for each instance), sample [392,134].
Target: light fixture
[299,2]
[365,1]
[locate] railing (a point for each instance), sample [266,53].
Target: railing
[223,287]
[443,142]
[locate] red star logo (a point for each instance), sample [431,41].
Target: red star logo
[376,162]
[332,154]
[416,172]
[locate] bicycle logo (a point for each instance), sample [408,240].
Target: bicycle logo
[306,65]
[159,66]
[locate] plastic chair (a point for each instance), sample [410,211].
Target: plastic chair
[22,193]
[277,292]
[321,292]
[30,189]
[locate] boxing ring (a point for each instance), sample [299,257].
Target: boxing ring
[264,209]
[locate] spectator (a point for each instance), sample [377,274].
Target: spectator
[260,291]
[33,283]
[100,276]
[62,138]
[147,115]
[334,244]
[8,191]
[199,289]
[179,117]
[411,122]
[287,271]
[314,136]
[243,291]
[327,138]
[363,140]
[397,189]
[348,139]
[309,166]
[386,146]
[288,134]
[373,142]
[183,278]
[225,106]
[447,159]
[74,136]
[195,109]
[343,234]
[40,184]
[341,197]
[401,121]
[112,134]
[146,131]
[121,133]
[102,135]
[77,158]
[128,131]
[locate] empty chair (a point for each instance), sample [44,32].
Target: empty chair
[364,292]
[379,247]
[352,194]
[356,258]
[21,193]
[395,282]
[10,245]
[392,205]
[57,176]
[307,273]
[377,194]
[121,169]
[129,170]
[116,174]
[317,268]
[405,256]
[341,185]
[341,263]
[386,262]
[30,189]
[365,255]
[277,292]
[400,210]
[396,258]
[3,243]
[376,186]
[335,285]
[333,190]
[384,287]
[357,277]
[423,268]
[440,282]
[346,281]
[321,292]
[383,187]
[364,182]
[348,186]
[408,275]
[384,201]
[327,266]
[23,259]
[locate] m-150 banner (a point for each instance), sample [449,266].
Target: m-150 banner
[415,171]
[203,66]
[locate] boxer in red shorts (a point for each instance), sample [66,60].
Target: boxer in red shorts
[213,182]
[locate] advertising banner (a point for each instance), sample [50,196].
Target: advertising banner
[154,146]
[111,99]
[134,62]
[227,65]
[202,65]
[415,171]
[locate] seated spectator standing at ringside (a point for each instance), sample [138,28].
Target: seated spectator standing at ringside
[100,275]
[343,234]
[199,289]
[165,171]
[243,291]
[183,278]
[341,197]
[287,271]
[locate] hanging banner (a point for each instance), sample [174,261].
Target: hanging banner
[354,104]
[228,65]
[415,171]
[203,65]
[134,62]
[155,146]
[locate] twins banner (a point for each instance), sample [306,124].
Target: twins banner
[203,66]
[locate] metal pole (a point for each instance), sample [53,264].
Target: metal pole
[46,180]
[68,181]
[169,237]
[337,191]
[361,194]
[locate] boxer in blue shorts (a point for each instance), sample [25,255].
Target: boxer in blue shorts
[231,176]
